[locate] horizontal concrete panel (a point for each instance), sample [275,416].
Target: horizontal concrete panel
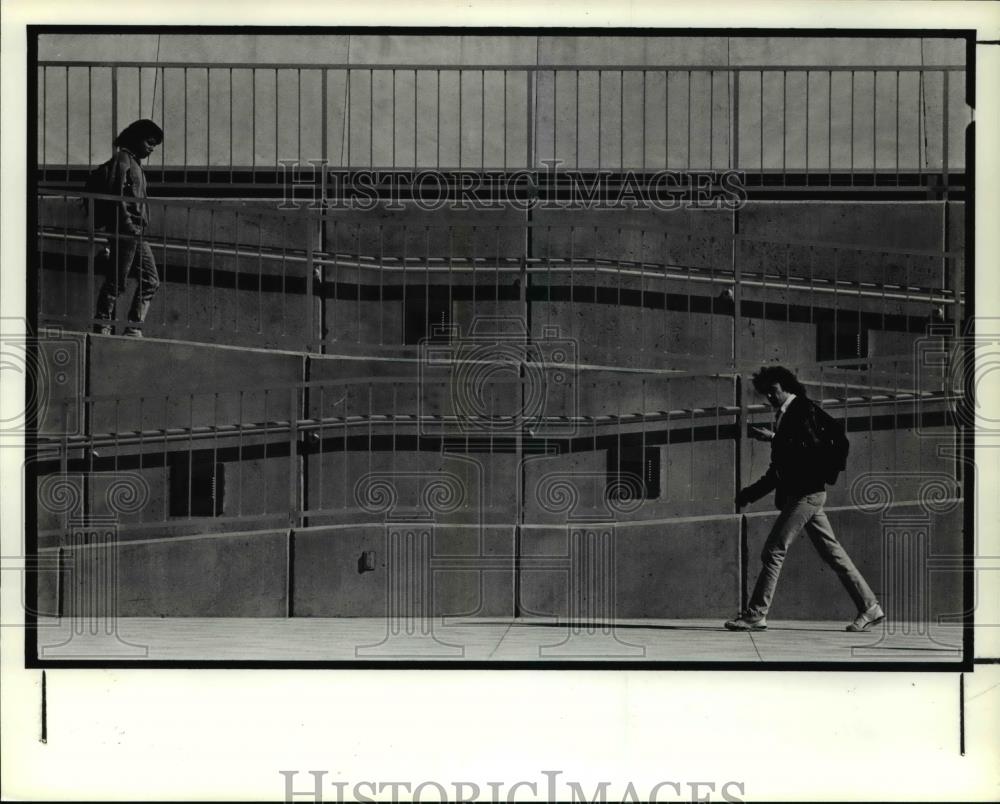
[683,570]
[642,50]
[451,50]
[908,586]
[199,384]
[402,482]
[228,576]
[687,480]
[261,315]
[416,233]
[413,575]
[843,50]
[637,336]
[694,237]
[906,225]
[254,224]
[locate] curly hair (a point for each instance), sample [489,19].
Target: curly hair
[769,375]
[139,130]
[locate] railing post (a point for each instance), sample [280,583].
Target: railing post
[945,74]
[738,449]
[530,119]
[114,107]
[313,277]
[735,126]
[91,245]
[294,470]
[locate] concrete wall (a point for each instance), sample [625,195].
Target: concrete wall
[174,385]
[329,583]
[235,575]
[671,571]
[480,118]
[261,296]
[677,569]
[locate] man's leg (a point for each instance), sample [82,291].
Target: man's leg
[793,517]
[123,252]
[149,283]
[834,554]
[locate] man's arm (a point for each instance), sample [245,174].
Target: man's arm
[124,184]
[755,491]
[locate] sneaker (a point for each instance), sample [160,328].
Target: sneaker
[132,332]
[873,615]
[746,622]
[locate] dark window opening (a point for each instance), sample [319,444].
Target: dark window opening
[841,340]
[426,315]
[197,484]
[634,472]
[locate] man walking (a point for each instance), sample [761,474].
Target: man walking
[797,474]
[125,225]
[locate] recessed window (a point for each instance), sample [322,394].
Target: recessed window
[634,472]
[427,314]
[197,484]
[841,340]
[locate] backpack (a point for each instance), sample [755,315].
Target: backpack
[101,180]
[832,442]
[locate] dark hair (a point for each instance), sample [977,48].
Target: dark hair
[769,375]
[139,130]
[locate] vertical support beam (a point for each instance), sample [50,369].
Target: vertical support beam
[322,239]
[91,300]
[530,119]
[114,107]
[313,278]
[741,423]
[531,78]
[735,125]
[743,549]
[324,123]
[290,574]
[308,441]
[736,352]
[294,467]
[519,446]
[945,75]
[737,292]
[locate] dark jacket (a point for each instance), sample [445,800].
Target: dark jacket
[130,182]
[796,466]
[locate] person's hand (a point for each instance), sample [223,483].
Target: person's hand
[741,499]
[761,434]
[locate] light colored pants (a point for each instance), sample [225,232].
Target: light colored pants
[128,254]
[806,512]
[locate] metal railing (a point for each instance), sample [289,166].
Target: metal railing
[790,125]
[633,447]
[321,280]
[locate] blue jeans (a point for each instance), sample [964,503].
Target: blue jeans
[798,513]
[128,253]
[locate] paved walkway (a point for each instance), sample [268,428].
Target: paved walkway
[488,640]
